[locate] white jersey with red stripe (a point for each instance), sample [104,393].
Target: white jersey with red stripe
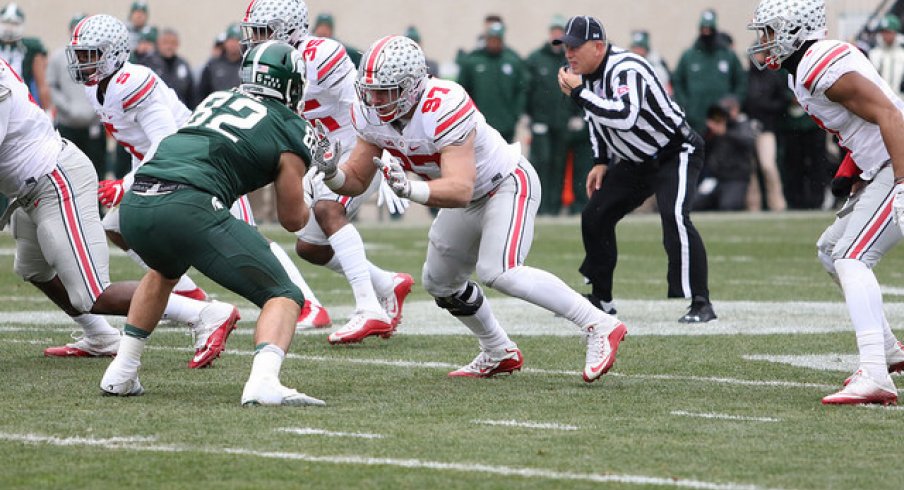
[444,116]
[132,91]
[330,91]
[821,66]
[30,146]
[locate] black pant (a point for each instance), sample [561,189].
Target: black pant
[673,179]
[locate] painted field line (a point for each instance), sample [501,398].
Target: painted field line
[528,425]
[420,464]
[555,372]
[310,431]
[890,408]
[723,416]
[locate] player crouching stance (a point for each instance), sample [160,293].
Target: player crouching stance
[488,193]
[841,90]
[235,142]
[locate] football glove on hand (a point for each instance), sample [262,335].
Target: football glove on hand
[387,197]
[394,176]
[110,192]
[898,205]
[326,154]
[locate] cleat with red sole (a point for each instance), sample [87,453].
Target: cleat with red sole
[894,357]
[216,322]
[97,346]
[601,350]
[360,326]
[393,303]
[312,316]
[488,364]
[196,293]
[863,389]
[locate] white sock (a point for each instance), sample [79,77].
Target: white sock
[94,325]
[267,362]
[185,284]
[548,291]
[182,309]
[349,249]
[293,272]
[864,302]
[130,349]
[381,279]
[335,265]
[134,256]
[889,338]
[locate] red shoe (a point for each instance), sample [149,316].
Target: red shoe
[488,364]
[601,350]
[863,389]
[216,323]
[360,326]
[196,293]
[393,303]
[312,316]
[97,346]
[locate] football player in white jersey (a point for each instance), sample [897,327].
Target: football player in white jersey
[60,243]
[488,192]
[329,238]
[839,88]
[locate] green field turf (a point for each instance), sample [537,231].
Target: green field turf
[685,406]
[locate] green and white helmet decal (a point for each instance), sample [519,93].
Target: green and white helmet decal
[274,69]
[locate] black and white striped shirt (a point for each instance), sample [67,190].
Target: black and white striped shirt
[630,114]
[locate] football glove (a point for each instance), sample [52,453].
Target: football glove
[110,192]
[387,197]
[394,175]
[326,154]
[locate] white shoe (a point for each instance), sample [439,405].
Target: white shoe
[119,381]
[312,316]
[895,358]
[361,325]
[863,389]
[216,321]
[392,304]
[94,346]
[491,363]
[271,392]
[601,349]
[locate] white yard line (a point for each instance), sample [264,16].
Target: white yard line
[527,425]
[359,460]
[310,431]
[724,416]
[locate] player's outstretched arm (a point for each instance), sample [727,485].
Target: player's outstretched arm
[455,188]
[291,209]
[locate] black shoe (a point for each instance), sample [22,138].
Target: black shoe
[700,311]
[599,304]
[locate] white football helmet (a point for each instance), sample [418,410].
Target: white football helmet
[782,26]
[391,78]
[98,48]
[274,20]
[12,23]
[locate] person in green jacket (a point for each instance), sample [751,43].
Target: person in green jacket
[557,126]
[706,73]
[496,79]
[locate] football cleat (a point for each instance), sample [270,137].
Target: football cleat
[700,311]
[360,326]
[401,283]
[118,381]
[95,346]
[312,316]
[894,357]
[863,389]
[270,391]
[216,322]
[196,294]
[487,364]
[601,350]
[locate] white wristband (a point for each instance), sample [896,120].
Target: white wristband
[420,191]
[337,181]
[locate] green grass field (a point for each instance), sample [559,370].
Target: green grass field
[730,405]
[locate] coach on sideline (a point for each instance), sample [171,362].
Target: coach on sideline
[642,146]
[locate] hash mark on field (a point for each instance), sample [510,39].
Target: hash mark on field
[724,416]
[529,425]
[310,431]
[357,460]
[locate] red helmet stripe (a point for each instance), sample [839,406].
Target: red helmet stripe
[78,29]
[248,10]
[372,59]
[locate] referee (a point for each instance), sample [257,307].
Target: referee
[642,146]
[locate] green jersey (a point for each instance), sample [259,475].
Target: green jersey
[231,145]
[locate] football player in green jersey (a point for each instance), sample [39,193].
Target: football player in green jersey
[178,216]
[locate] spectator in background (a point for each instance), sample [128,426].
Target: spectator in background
[496,79]
[730,157]
[640,44]
[26,55]
[888,55]
[146,48]
[75,118]
[805,163]
[767,100]
[172,68]
[324,27]
[707,72]
[137,22]
[413,34]
[553,119]
[222,73]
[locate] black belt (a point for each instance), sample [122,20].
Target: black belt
[150,185]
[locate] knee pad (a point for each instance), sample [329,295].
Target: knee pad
[465,303]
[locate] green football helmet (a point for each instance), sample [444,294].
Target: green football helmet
[277,70]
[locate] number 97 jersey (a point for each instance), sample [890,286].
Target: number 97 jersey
[445,115]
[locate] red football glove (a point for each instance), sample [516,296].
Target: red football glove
[110,192]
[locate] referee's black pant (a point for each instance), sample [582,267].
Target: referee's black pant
[673,179]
